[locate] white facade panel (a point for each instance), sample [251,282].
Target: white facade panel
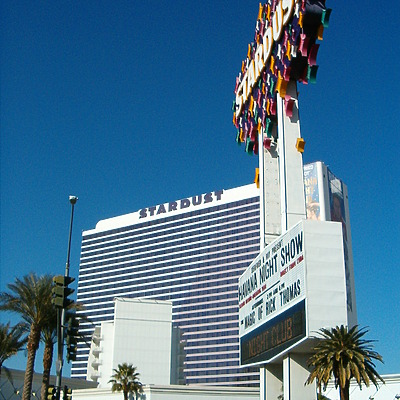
[326,283]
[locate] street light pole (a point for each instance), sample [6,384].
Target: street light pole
[72,200]
[61,311]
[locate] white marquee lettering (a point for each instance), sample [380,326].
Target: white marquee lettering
[251,77]
[277,22]
[288,8]
[258,61]
[267,43]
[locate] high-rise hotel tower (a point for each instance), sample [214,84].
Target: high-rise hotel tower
[190,252]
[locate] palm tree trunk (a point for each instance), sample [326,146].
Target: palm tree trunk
[345,392]
[32,346]
[47,361]
[125,395]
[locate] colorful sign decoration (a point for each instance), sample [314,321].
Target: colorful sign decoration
[285,48]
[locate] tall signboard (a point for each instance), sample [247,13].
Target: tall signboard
[300,281]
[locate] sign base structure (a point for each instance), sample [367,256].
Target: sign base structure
[287,379]
[294,287]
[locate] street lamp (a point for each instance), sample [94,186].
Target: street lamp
[61,311]
[72,200]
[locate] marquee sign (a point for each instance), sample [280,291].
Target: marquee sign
[273,281]
[271,298]
[284,48]
[295,286]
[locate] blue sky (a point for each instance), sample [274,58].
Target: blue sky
[127,104]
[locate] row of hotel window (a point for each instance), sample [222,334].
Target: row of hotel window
[181,231]
[201,315]
[173,259]
[193,229]
[162,246]
[254,229]
[199,328]
[161,288]
[132,277]
[189,306]
[156,243]
[96,312]
[191,303]
[235,380]
[94,275]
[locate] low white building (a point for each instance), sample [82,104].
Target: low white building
[388,391]
[11,385]
[141,334]
[174,392]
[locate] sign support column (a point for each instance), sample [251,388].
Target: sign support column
[284,164]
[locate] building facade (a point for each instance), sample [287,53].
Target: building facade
[190,252]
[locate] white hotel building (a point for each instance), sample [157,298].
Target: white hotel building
[191,253]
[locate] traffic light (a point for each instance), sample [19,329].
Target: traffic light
[61,291]
[71,336]
[51,393]
[67,393]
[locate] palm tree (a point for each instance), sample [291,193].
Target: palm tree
[49,338]
[126,379]
[11,341]
[30,297]
[345,355]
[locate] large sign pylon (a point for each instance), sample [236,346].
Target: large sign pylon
[282,295]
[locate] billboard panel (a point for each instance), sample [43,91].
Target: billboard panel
[273,283]
[311,188]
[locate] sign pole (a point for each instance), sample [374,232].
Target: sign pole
[285,164]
